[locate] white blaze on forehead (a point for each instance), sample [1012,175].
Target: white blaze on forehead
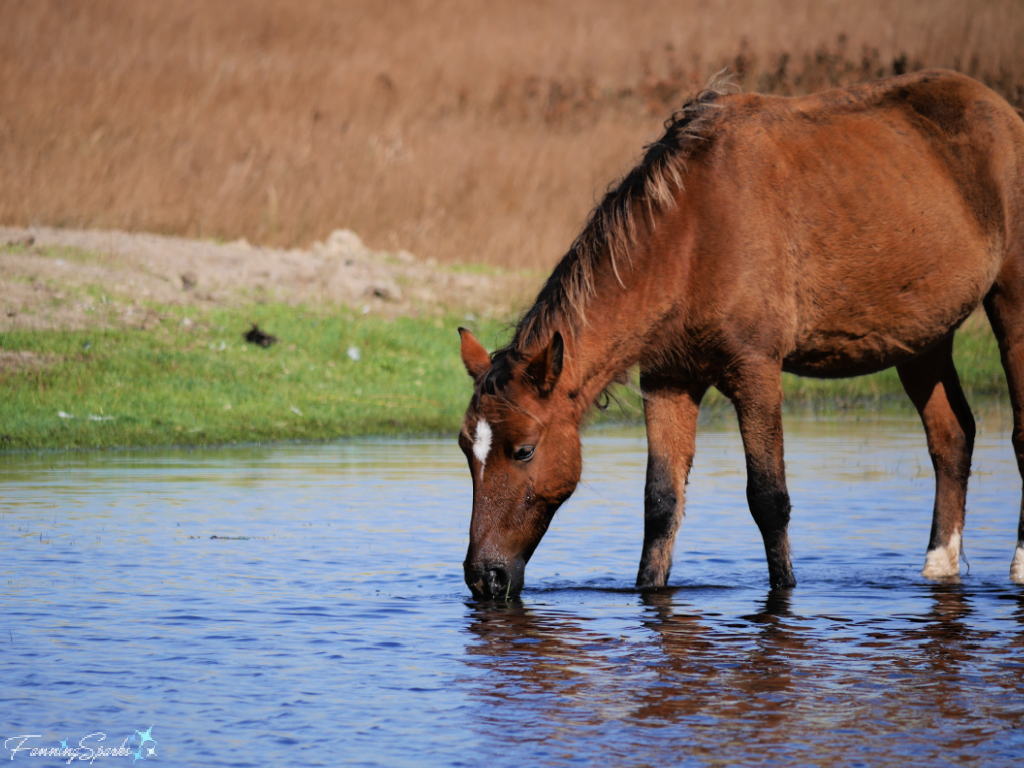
[482,444]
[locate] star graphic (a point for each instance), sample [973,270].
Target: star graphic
[145,737]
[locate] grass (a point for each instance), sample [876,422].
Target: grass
[192,380]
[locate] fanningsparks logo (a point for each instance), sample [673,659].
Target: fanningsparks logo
[138,745]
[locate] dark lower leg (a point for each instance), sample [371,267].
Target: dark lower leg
[758,401]
[1013,364]
[671,416]
[1005,308]
[770,507]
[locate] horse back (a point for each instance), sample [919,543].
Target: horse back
[847,231]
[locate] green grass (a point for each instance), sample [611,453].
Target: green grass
[200,383]
[192,380]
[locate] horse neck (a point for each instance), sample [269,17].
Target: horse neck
[621,318]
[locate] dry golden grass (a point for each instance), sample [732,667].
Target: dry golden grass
[463,131]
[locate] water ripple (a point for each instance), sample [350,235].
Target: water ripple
[304,605]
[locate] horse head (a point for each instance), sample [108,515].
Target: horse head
[522,442]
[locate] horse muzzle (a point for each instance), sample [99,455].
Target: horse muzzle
[495,581]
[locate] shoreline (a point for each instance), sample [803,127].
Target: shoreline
[101,349]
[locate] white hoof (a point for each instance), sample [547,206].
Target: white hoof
[943,562]
[1017,566]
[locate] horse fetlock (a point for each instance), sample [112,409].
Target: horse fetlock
[780,572]
[651,578]
[661,517]
[1017,566]
[655,566]
[780,567]
[771,510]
[783,579]
[943,562]
[768,493]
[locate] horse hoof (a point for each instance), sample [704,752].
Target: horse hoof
[651,580]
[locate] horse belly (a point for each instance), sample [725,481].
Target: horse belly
[859,337]
[842,355]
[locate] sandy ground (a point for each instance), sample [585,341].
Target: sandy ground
[58,278]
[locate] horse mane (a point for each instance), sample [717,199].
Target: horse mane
[611,229]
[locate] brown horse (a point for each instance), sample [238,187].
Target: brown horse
[830,235]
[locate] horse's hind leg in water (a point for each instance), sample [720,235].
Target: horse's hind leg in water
[755,388]
[1005,307]
[932,383]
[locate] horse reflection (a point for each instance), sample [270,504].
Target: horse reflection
[572,676]
[737,672]
[1018,639]
[945,642]
[682,666]
[776,679]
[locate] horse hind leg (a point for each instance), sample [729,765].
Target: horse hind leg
[755,389]
[670,411]
[1005,308]
[932,383]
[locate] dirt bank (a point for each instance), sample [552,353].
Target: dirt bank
[60,278]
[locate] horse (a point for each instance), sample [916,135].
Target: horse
[830,235]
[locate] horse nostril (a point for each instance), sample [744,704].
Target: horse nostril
[497,581]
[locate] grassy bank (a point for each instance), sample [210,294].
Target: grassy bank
[192,380]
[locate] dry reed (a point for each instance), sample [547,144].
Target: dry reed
[461,131]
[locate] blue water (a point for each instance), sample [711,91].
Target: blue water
[304,605]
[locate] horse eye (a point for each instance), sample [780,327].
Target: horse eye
[523,453]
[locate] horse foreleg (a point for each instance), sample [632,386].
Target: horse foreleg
[934,387]
[756,392]
[671,416]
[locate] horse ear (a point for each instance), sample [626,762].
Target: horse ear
[474,356]
[546,366]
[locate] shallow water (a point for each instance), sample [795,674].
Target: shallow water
[327,622]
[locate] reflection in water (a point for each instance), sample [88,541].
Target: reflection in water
[740,688]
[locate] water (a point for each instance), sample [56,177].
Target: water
[327,622]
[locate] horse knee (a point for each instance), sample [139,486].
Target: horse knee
[769,504]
